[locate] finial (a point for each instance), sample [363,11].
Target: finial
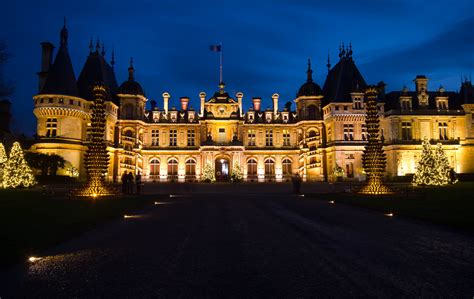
[343,53]
[309,72]
[97,46]
[349,53]
[340,51]
[112,60]
[329,63]
[64,34]
[131,70]
[91,46]
[103,49]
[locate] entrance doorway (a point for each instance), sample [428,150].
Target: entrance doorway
[222,169]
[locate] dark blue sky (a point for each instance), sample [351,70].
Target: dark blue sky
[266,43]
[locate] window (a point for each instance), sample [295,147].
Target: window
[155,167]
[348,132]
[337,107]
[269,168]
[311,112]
[252,168]
[405,104]
[286,167]
[61,101]
[191,137]
[443,130]
[51,127]
[329,131]
[364,132]
[172,167]
[251,137]
[221,135]
[128,111]
[190,167]
[286,137]
[173,137]
[345,107]
[406,130]
[269,137]
[71,102]
[50,100]
[350,170]
[358,103]
[155,137]
[442,104]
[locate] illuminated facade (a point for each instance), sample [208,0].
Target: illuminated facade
[326,128]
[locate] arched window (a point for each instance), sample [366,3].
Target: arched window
[173,168]
[286,167]
[311,112]
[154,167]
[313,133]
[252,168]
[269,168]
[190,167]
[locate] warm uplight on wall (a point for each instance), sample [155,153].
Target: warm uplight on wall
[389,214]
[33,259]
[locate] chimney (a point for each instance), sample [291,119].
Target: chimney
[184,103]
[166,97]
[202,96]
[239,97]
[421,82]
[47,49]
[275,97]
[256,103]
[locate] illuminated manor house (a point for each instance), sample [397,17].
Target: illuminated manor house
[325,130]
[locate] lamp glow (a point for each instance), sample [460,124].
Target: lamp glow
[33,259]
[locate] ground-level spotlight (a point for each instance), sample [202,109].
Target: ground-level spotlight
[131,216]
[301,195]
[33,259]
[389,214]
[332,202]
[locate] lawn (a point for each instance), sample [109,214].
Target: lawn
[30,223]
[451,205]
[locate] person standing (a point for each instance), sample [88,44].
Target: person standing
[124,182]
[296,180]
[130,182]
[138,182]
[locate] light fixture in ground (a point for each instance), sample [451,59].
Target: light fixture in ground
[389,214]
[33,259]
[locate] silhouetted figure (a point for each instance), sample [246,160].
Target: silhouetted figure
[130,183]
[296,180]
[124,182]
[138,182]
[453,176]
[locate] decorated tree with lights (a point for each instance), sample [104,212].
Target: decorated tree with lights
[373,158]
[16,171]
[426,171]
[3,160]
[442,167]
[237,174]
[208,174]
[97,157]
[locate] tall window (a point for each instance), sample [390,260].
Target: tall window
[269,167]
[286,137]
[191,137]
[348,132]
[286,165]
[406,130]
[357,103]
[155,137]
[190,167]
[405,104]
[442,104]
[364,132]
[172,167]
[269,137]
[251,137]
[252,168]
[51,127]
[443,130]
[154,167]
[173,137]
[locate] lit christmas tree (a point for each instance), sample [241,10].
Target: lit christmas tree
[442,168]
[373,158]
[16,172]
[208,174]
[236,175]
[3,160]
[426,171]
[97,157]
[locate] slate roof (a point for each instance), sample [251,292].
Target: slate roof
[61,79]
[131,86]
[309,88]
[392,100]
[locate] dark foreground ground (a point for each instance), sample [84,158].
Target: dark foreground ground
[230,245]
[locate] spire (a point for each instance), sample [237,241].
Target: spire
[329,63]
[103,49]
[343,53]
[340,51]
[349,53]
[64,34]
[131,70]
[97,46]
[112,60]
[91,46]
[309,72]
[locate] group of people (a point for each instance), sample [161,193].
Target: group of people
[128,181]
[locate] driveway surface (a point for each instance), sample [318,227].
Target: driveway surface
[220,245]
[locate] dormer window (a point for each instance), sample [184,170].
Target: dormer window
[268,117]
[251,116]
[285,117]
[191,115]
[442,104]
[174,116]
[156,116]
[405,104]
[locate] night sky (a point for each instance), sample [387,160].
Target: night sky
[266,44]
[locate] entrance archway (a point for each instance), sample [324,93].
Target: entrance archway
[222,169]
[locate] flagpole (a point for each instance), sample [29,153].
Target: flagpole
[220,64]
